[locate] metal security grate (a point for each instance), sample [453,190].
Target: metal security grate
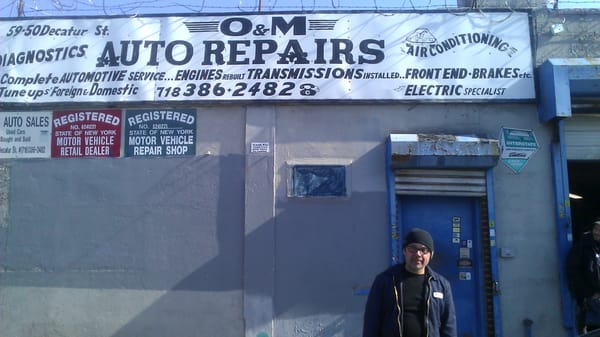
[469,183]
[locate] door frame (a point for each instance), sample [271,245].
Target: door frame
[489,231]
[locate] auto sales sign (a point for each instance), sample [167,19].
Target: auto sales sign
[326,56]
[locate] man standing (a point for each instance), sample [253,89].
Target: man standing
[411,299]
[583,274]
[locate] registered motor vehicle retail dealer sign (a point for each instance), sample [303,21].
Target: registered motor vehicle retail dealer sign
[86,133]
[516,147]
[274,57]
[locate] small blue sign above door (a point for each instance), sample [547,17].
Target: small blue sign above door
[160,133]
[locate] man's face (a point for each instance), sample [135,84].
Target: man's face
[416,257]
[596,232]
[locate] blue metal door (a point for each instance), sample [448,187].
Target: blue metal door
[454,225]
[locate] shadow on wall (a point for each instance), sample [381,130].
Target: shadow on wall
[166,237]
[317,264]
[108,246]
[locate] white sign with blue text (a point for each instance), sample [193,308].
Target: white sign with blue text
[292,56]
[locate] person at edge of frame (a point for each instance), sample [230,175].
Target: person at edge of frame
[583,275]
[411,299]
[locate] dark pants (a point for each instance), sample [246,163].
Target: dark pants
[591,314]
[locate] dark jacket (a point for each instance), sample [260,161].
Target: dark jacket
[381,312]
[583,273]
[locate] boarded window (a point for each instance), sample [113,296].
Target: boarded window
[319,181]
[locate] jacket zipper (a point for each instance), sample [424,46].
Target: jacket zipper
[428,301]
[398,318]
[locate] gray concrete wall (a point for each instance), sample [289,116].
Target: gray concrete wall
[580,37]
[327,248]
[213,246]
[128,247]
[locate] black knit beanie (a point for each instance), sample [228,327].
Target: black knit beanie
[417,235]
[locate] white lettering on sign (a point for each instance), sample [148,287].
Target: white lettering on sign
[161,115]
[87,116]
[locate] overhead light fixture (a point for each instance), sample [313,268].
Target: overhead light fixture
[575,196]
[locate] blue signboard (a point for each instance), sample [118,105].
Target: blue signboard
[160,133]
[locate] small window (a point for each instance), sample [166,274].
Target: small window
[319,181]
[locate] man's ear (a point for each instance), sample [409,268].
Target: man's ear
[431,255]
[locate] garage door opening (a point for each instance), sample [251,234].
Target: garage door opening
[584,189]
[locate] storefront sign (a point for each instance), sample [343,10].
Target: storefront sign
[160,133]
[25,134]
[86,133]
[326,56]
[516,147]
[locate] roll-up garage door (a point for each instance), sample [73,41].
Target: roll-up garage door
[468,183]
[582,137]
